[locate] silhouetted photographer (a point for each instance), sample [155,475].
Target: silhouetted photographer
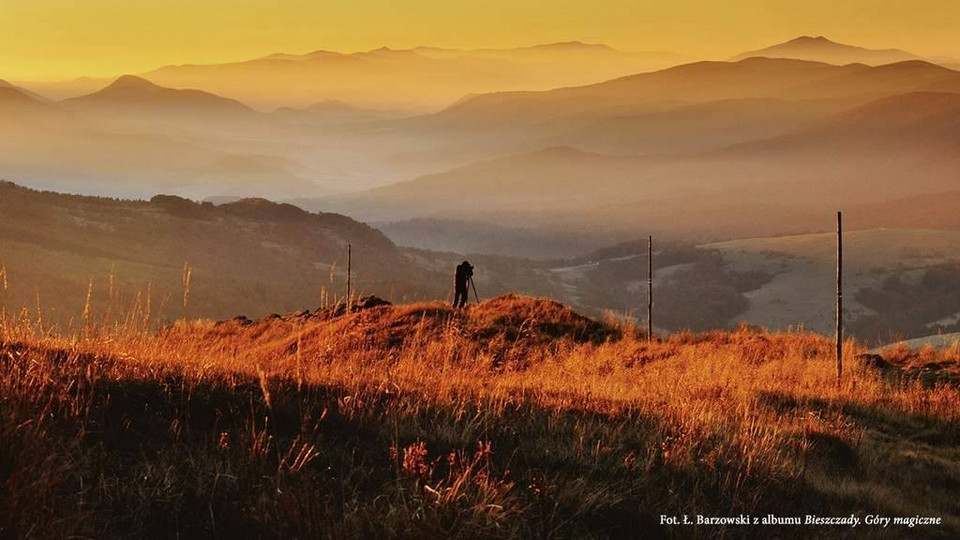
[460,282]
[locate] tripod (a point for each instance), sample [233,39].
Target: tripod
[474,287]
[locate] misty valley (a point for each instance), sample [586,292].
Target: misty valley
[553,291]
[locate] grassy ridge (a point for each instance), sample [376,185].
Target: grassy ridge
[515,418]
[250,256]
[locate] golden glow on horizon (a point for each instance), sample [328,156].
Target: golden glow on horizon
[51,39]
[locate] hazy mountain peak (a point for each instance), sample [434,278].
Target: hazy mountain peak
[811,39]
[822,49]
[130,91]
[133,82]
[319,53]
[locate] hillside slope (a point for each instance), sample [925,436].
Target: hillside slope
[20,107]
[250,257]
[12,96]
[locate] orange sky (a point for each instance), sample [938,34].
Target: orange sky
[49,39]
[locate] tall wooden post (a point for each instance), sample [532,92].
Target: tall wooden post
[650,288]
[839,296]
[349,274]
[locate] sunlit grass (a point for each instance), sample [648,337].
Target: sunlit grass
[515,418]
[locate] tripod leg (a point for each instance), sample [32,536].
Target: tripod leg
[475,296]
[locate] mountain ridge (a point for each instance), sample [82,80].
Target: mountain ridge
[821,49]
[250,256]
[860,150]
[360,76]
[138,93]
[753,77]
[10,88]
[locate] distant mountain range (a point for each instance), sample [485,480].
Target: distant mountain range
[700,82]
[695,107]
[885,148]
[719,142]
[133,137]
[299,80]
[821,49]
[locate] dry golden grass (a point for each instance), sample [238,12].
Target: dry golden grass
[514,418]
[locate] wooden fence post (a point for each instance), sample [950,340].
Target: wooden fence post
[839,296]
[650,288]
[349,274]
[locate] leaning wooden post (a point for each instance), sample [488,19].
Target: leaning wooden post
[349,272]
[839,296]
[650,288]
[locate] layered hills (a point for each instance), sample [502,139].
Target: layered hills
[360,78]
[135,138]
[325,145]
[702,82]
[861,154]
